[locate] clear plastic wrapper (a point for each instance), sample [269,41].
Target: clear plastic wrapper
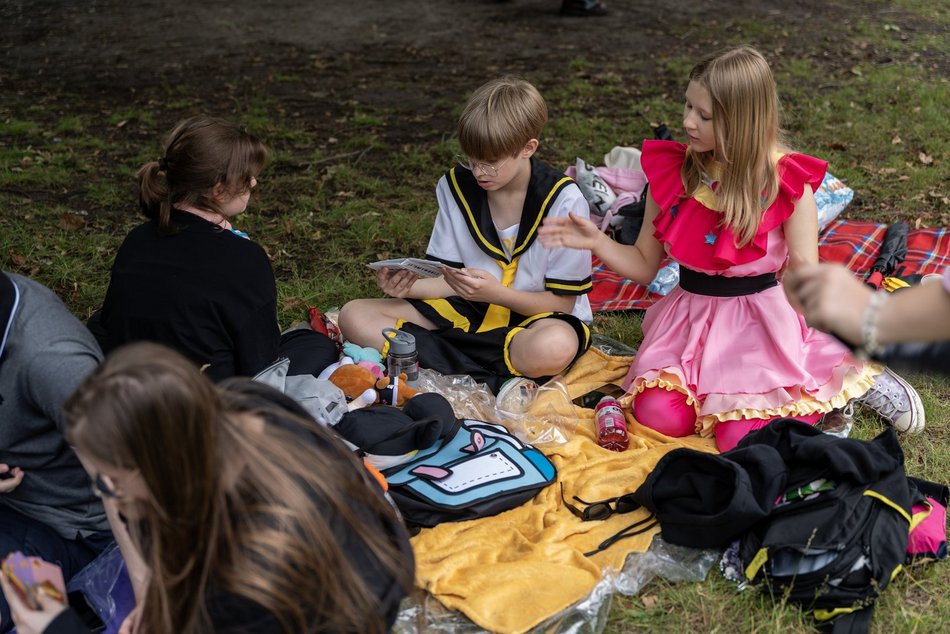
[536,415]
[665,560]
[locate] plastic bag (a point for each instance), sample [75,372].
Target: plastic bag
[545,414]
[105,584]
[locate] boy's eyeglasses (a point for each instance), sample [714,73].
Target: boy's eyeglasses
[104,487]
[603,509]
[485,168]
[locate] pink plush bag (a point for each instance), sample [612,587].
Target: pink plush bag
[928,531]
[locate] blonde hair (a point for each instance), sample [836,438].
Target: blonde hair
[501,116]
[237,506]
[198,154]
[745,114]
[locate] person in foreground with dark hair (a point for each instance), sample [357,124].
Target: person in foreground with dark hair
[248,516]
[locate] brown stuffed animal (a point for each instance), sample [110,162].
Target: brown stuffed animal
[395,392]
[357,383]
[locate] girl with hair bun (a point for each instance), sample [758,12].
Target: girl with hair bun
[187,278]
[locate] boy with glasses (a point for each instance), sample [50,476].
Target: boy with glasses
[505,306]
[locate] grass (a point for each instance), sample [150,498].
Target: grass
[357,186]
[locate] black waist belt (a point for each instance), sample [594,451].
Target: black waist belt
[720,286]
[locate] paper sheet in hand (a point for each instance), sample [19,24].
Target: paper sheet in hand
[422,268]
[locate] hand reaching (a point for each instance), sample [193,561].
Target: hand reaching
[472,284]
[575,232]
[395,283]
[8,484]
[829,297]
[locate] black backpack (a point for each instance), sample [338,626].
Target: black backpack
[838,534]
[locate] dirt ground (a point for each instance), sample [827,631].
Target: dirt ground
[408,55]
[318,61]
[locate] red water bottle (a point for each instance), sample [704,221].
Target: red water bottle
[611,425]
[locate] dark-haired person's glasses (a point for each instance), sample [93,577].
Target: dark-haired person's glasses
[603,509]
[485,168]
[104,487]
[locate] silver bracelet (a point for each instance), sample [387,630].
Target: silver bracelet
[870,347]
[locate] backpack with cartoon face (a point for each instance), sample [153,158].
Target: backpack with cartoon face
[476,470]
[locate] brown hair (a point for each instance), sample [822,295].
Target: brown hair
[748,134]
[500,117]
[237,505]
[198,154]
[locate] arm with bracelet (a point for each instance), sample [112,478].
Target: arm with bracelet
[909,328]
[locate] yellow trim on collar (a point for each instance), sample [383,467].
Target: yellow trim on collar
[471,217]
[540,215]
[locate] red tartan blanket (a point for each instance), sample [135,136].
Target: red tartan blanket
[852,243]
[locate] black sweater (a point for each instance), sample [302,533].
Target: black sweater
[201,290]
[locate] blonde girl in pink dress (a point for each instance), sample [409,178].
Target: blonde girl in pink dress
[725,353]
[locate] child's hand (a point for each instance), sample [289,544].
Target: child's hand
[395,283]
[574,232]
[10,478]
[27,620]
[472,284]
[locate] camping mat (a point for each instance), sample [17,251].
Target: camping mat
[849,242]
[509,572]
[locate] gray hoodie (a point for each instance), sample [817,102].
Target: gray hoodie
[45,352]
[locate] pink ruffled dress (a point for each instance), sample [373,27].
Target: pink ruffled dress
[750,356]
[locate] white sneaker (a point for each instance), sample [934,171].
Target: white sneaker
[516,395]
[896,401]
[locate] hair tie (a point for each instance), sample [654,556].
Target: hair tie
[163,164]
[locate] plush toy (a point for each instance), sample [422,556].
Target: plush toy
[363,355]
[395,391]
[357,383]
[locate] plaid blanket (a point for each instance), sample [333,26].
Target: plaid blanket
[852,243]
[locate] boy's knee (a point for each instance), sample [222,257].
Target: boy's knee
[351,313]
[562,349]
[546,351]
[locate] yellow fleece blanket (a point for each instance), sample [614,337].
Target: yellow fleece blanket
[510,572]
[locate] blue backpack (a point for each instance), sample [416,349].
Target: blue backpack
[476,470]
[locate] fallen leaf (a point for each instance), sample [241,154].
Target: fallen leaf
[925,158]
[896,140]
[71,222]
[16,258]
[649,601]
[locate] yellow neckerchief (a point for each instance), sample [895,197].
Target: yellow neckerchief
[498,316]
